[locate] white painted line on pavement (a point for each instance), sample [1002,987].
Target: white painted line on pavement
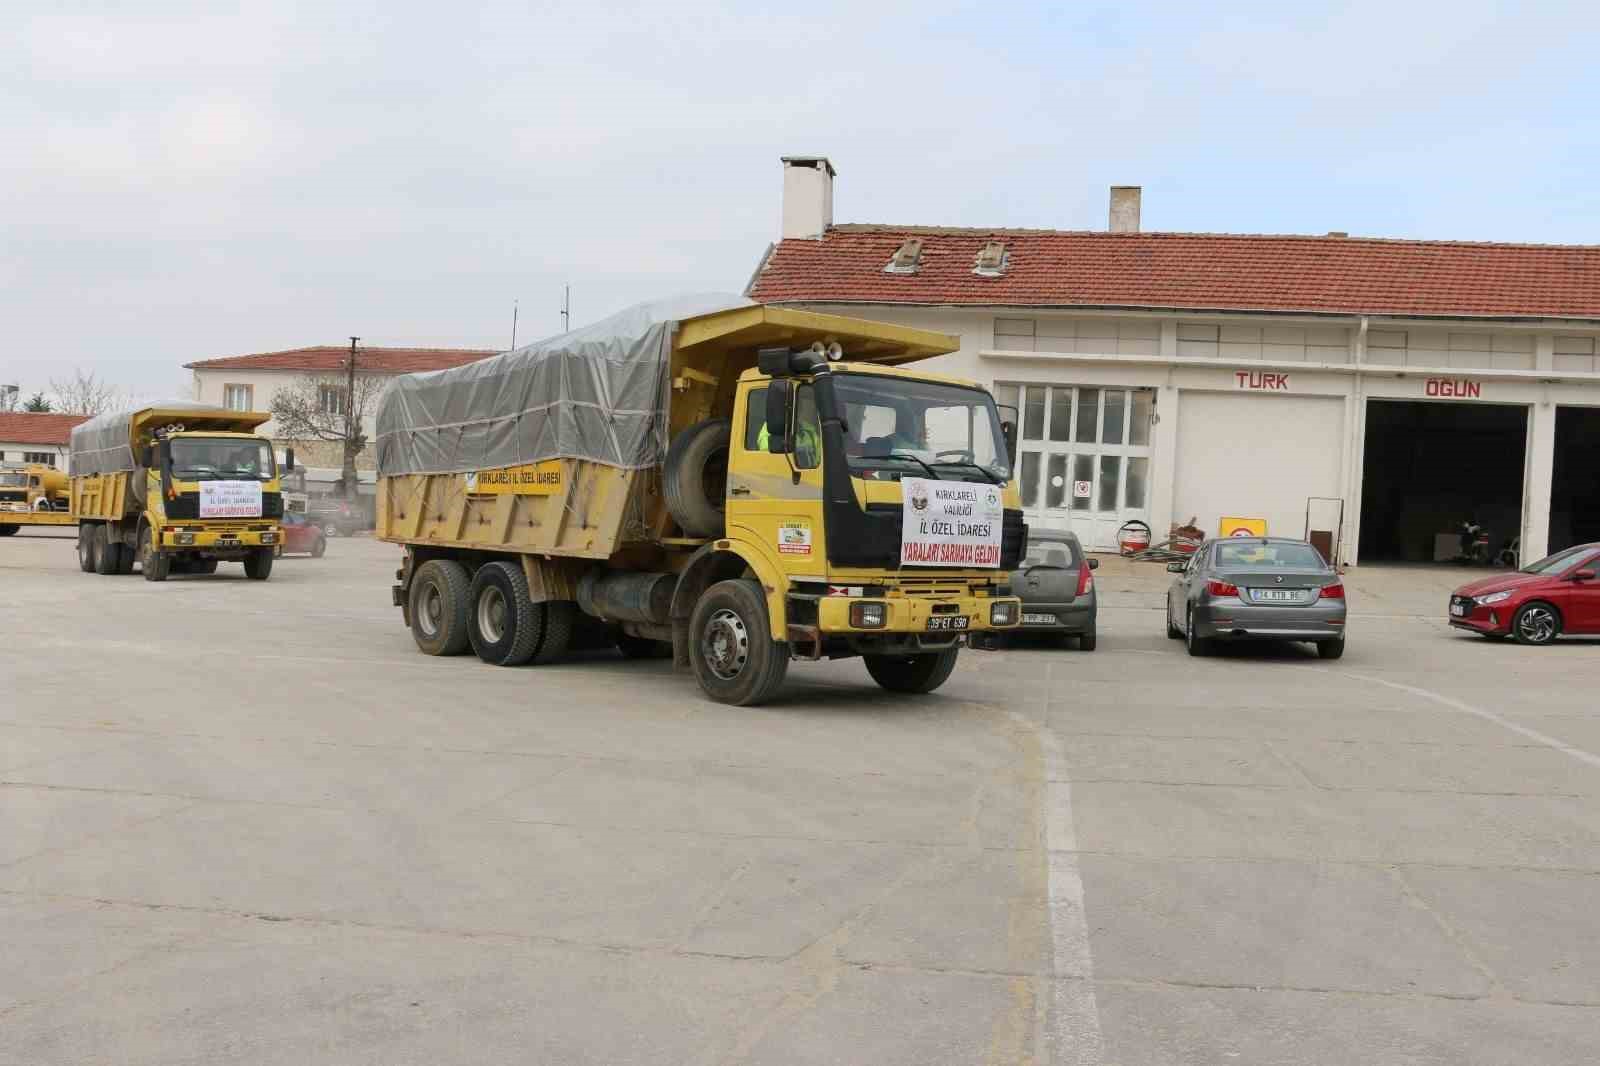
[1073,1029]
[1489,716]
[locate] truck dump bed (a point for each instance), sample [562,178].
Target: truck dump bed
[556,448]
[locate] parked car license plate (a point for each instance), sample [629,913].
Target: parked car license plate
[1039,619]
[947,623]
[1458,609]
[1275,595]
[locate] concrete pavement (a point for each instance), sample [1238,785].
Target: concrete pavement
[245,822]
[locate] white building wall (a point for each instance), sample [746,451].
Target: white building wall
[1189,360]
[13,452]
[210,384]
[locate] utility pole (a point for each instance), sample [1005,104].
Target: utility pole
[566,309]
[513,325]
[349,471]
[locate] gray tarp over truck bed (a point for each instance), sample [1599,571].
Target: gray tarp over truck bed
[103,445]
[598,393]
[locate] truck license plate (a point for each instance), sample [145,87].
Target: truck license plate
[227,542]
[947,623]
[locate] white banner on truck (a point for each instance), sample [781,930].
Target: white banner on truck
[230,499]
[950,523]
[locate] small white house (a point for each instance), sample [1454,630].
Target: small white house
[1368,394]
[36,438]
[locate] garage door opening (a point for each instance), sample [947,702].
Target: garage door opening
[1575,487]
[1431,466]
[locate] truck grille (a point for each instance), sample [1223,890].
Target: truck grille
[187,505]
[1013,539]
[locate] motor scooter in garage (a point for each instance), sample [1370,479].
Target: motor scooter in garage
[1474,545]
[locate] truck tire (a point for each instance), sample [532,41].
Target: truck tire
[560,618]
[731,648]
[912,673]
[504,625]
[86,547]
[9,530]
[157,565]
[107,550]
[258,564]
[438,608]
[695,477]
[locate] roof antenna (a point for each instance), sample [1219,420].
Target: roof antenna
[566,309]
[513,325]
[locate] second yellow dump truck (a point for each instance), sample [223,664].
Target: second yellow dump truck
[744,485]
[175,488]
[32,495]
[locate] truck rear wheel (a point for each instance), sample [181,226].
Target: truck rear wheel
[731,648]
[107,550]
[438,608]
[912,673]
[560,618]
[86,547]
[258,564]
[503,624]
[695,477]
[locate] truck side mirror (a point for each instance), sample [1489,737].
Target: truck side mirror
[288,460]
[1008,430]
[780,398]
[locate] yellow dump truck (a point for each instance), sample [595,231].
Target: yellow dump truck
[32,495]
[738,484]
[175,488]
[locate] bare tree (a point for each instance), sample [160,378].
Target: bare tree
[314,407]
[84,394]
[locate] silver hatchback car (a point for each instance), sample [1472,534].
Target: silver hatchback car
[1257,588]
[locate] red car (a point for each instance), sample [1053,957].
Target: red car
[301,536]
[1557,595]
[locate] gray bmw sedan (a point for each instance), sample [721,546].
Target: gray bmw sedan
[1257,588]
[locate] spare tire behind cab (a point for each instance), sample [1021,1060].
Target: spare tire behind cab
[695,478]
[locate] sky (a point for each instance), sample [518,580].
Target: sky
[183,181]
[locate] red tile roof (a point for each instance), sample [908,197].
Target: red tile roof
[332,357]
[1192,271]
[23,428]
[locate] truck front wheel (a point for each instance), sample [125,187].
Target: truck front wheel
[912,673]
[731,648]
[258,564]
[438,608]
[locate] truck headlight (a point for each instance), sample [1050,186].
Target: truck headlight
[269,538]
[1003,613]
[869,614]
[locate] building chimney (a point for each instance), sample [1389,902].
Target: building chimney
[807,196]
[1125,208]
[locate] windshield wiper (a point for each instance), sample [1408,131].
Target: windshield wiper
[932,474]
[988,475]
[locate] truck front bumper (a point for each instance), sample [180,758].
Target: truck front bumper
[193,538]
[937,617]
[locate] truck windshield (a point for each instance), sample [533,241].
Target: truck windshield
[898,427]
[221,459]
